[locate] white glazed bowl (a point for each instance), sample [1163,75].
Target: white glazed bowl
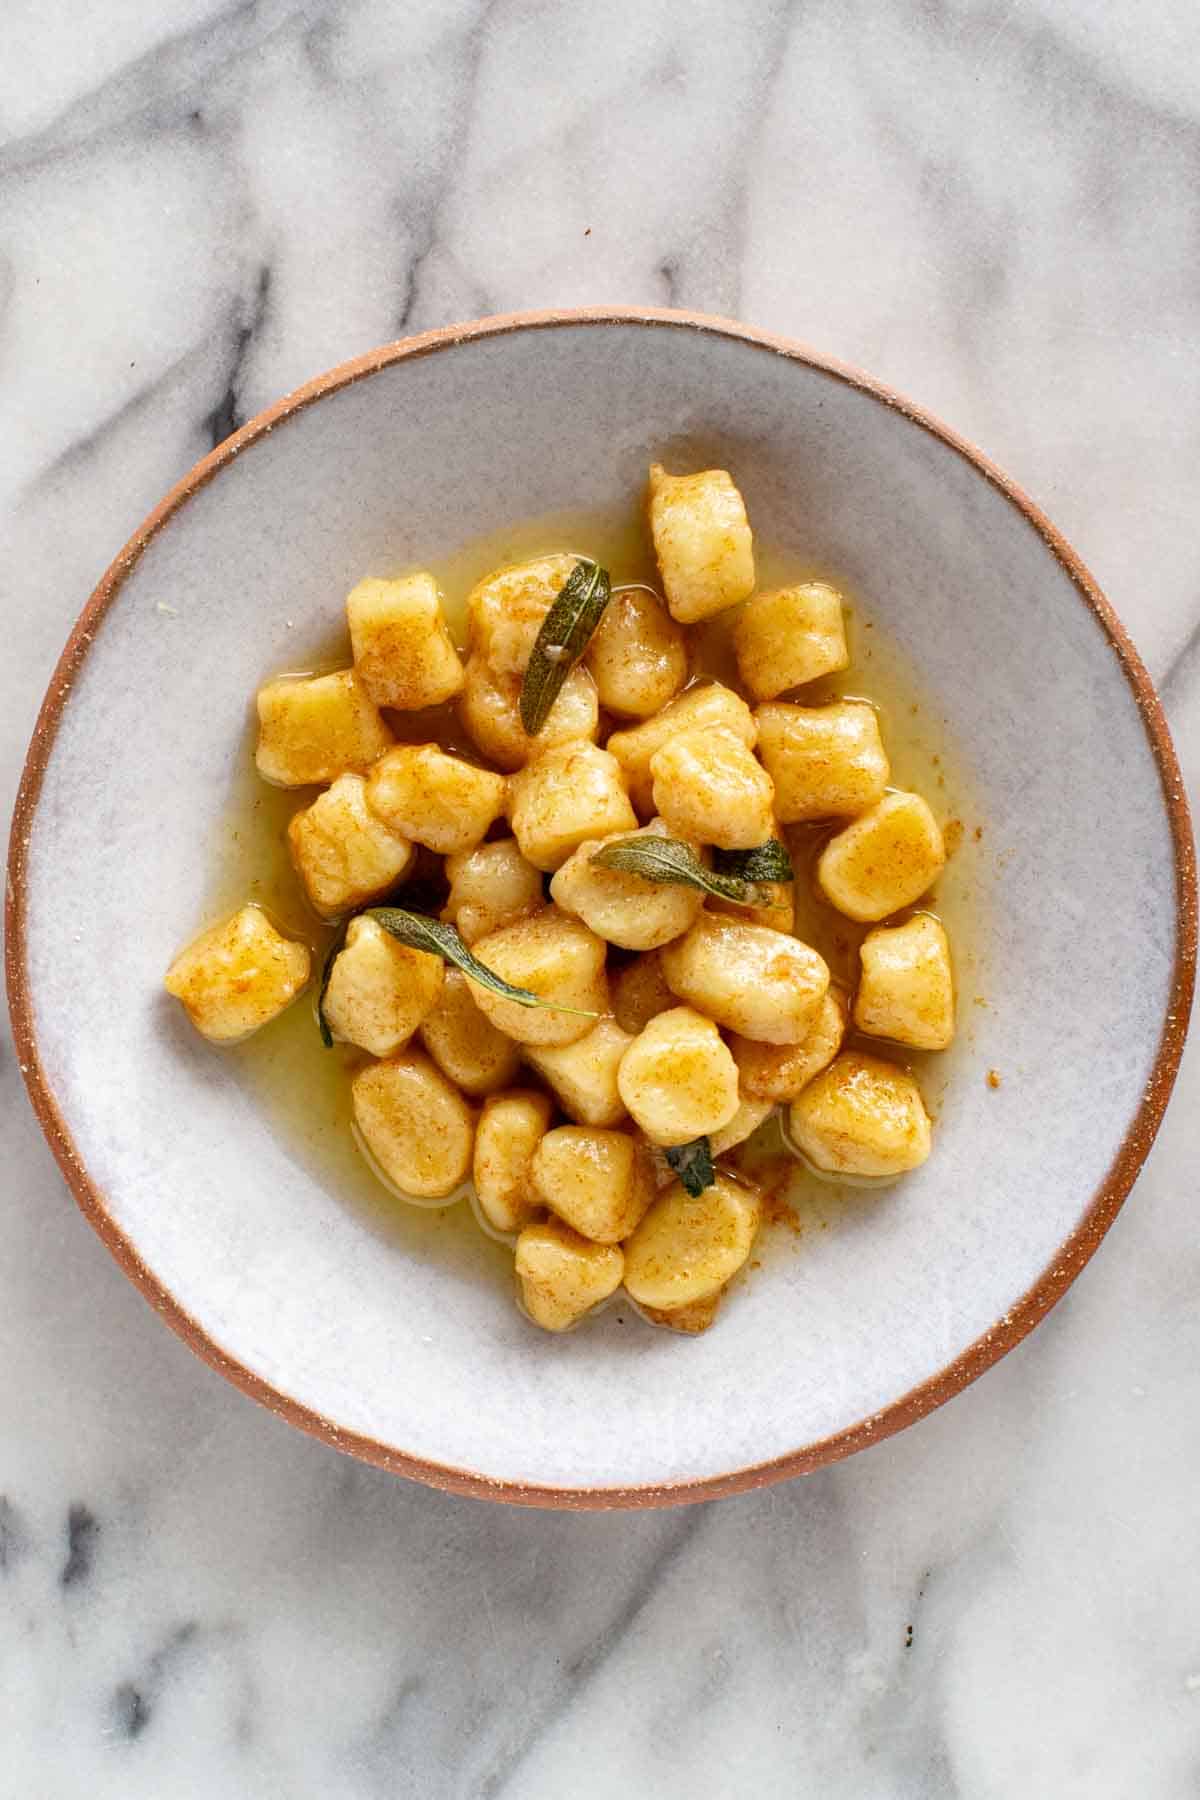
[1090,913]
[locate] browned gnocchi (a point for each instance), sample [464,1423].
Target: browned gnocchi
[613,905]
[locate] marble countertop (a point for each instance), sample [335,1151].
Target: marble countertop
[993,205]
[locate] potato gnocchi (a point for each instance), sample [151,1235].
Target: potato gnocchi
[613,891]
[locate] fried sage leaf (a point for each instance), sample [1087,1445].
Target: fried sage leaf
[769,862]
[440,939]
[436,938]
[338,945]
[693,1164]
[666,859]
[562,640]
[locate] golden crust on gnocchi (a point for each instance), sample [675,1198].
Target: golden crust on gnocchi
[610,898]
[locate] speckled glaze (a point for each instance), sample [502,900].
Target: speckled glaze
[1091,882]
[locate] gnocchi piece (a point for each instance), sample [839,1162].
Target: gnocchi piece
[709,786]
[561,1276]
[637,655]
[435,799]
[565,796]
[414,1125]
[745,1121]
[342,853]
[490,886]
[691,1320]
[465,1044]
[402,650]
[505,610]
[640,993]
[624,909]
[750,979]
[490,711]
[315,728]
[701,707]
[678,1079]
[884,860]
[686,1249]
[599,1182]
[862,1116]
[781,1071]
[556,958]
[703,542]
[380,990]
[238,977]
[511,1126]
[776,907]
[826,761]
[790,637]
[584,1074]
[907,989]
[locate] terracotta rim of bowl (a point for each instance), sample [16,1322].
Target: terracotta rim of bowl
[1025,1312]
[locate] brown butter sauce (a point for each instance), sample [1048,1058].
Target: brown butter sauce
[304,1090]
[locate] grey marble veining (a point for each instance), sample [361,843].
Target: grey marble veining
[994,206]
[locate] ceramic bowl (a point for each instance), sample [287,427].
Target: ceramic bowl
[1088,910]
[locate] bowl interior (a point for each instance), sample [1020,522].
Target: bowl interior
[1079,904]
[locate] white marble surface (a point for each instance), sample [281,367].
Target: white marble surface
[991,205]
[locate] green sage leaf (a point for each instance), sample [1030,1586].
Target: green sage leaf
[693,1164]
[338,944]
[665,859]
[436,938]
[440,939]
[562,640]
[769,862]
